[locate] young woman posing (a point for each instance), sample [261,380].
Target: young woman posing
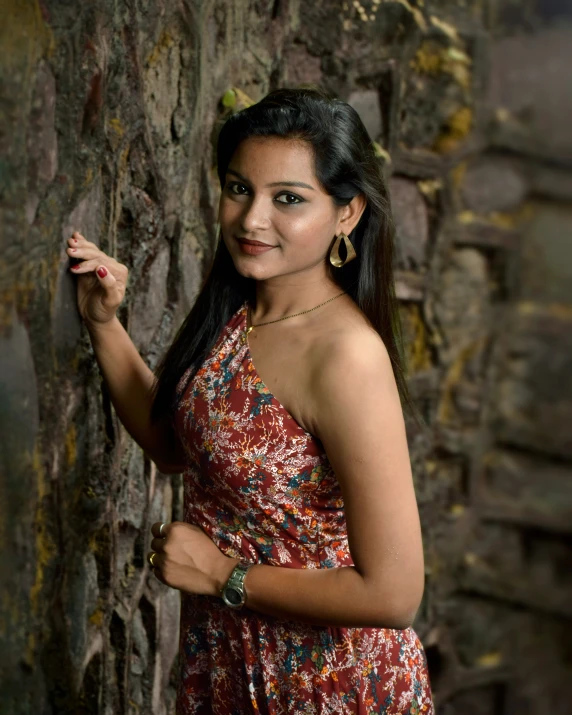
[299,559]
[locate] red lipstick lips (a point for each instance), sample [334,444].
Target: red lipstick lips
[252,248]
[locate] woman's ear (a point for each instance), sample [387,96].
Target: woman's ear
[351,214]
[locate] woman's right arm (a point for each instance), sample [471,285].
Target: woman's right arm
[130,381]
[101,287]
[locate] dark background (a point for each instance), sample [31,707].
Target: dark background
[108,116]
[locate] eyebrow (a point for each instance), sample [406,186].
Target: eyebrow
[300,184]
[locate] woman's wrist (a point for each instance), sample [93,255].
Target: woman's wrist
[222,573]
[99,332]
[96,328]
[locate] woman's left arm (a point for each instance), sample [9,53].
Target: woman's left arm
[357,416]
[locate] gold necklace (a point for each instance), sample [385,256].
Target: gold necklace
[247,331]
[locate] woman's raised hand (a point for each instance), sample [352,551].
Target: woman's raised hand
[101,281]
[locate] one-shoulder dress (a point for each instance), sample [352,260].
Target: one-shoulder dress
[262,488]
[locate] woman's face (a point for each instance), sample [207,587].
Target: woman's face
[271,194]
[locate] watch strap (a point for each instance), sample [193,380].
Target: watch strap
[235,585]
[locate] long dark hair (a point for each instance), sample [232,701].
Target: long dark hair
[346,165]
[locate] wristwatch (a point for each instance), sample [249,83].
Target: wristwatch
[233,593]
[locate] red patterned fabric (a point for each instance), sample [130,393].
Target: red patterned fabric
[262,488]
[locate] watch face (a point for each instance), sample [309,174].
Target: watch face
[233,596]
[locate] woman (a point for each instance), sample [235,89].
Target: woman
[300,559]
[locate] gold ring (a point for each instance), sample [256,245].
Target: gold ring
[151,559]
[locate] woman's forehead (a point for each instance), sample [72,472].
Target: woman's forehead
[269,160]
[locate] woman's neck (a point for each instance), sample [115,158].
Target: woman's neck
[273,302]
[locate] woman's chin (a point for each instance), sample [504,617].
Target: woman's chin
[251,266]
[248,269]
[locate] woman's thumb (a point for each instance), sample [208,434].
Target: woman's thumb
[105,277]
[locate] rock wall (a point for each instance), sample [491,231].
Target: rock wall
[109,115]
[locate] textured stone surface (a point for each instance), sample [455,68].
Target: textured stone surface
[534,398]
[490,185]
[109,113]
[518,488]
[366,104]
[546,256]
[528,83]
[411,223]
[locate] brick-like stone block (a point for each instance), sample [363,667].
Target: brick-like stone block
[529,84]
[492,185]
[533,397]
[523,489]
[545,259]
[411,223]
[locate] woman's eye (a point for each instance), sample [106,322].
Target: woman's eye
[241,190]
[297,200]
[235,185]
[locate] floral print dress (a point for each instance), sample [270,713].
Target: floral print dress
[262,488]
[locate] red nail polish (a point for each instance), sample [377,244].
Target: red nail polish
[75,266]
[102,272]
[73,249]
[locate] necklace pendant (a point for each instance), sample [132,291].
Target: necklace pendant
[246,333]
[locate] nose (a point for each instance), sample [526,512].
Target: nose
[255,215]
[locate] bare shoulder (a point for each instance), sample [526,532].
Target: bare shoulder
[350,372]
[354,348]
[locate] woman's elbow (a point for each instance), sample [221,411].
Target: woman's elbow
[398,613]
[397,619]
[401,620]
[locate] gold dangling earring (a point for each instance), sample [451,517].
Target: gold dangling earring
[335,259]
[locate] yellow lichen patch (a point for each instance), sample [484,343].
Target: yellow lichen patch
[457,510]
[97,617]
[45,546]
[242,98]
[490,660]
[165,43]
[460,122]
[457,63]
[417,352]
[116,125]
[417,14]
[71,449]
[560,311]
[235,99]
[467,217]
[457,128]
[88,178]
[504,116]
[471,559]
[499,219]
[25,37]
[430,187]
[428,58]
[446,411]
[116,132]
[123,158]
[458,174]
[446,28]
[380,152]
[432,58]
